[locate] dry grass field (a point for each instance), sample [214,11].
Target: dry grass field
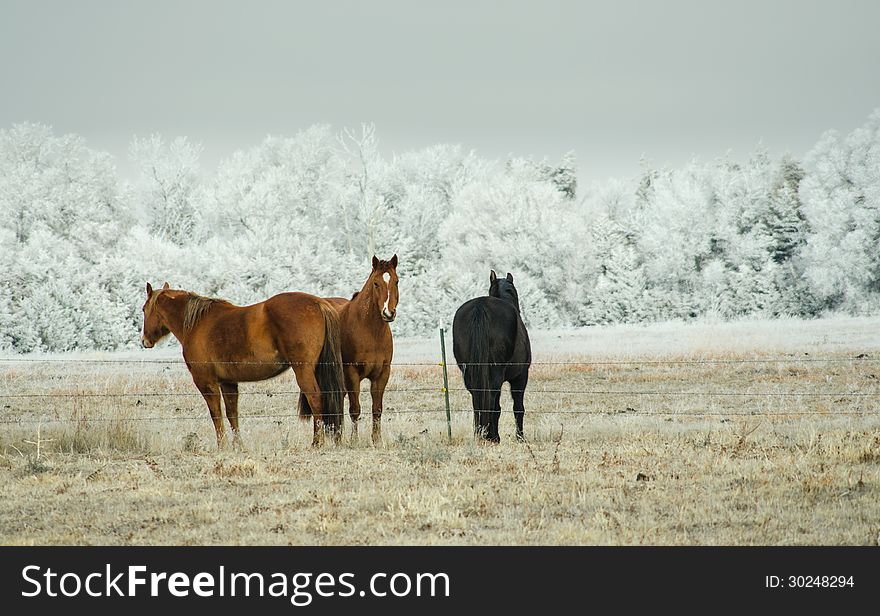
[743,433]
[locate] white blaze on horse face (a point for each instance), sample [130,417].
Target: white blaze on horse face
[387,278]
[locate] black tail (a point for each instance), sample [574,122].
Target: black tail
[328,373]
[477,370]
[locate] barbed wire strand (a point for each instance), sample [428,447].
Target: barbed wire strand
[441,415]
[159,394]
[440,412]
[860,358]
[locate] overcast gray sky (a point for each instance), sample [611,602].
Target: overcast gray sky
[611,80]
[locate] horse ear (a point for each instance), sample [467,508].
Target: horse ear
[375,262]
[492,276]
[394,260]
[166,286]
[509,277]
[149,289]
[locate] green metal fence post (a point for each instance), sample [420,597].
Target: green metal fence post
[445,384]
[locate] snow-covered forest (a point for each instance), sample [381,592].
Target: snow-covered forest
[726,238]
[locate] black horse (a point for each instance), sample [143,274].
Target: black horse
[491,345]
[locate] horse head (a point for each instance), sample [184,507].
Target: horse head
[503,288]
[382,284]
[155,327]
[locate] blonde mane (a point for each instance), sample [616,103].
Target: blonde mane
[196,307]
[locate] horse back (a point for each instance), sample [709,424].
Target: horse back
[294,311]
[338,303]
[231,343]
[252,343]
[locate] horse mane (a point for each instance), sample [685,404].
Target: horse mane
[355,294]
[507,292]
[196,307]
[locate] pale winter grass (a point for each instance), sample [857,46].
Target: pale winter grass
[654,453]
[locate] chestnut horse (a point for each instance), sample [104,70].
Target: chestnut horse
[224,345]
[367,345]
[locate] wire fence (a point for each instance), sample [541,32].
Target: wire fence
[532,390]
[614,362]
[435,405]
[586,414]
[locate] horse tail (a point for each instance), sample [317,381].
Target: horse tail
[477,370]
[328,373]
[329,370]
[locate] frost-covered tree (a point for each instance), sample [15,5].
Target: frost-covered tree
[789,229]
[364,206]
[60,183]
[62,219]
[726,238]
[167,186]
[619,292]
[677,239]
[562,176]
[841,202]
[785,220]
[503,223]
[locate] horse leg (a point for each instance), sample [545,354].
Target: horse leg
[353,385]
[230,399]
[308,385]
[493,410]
[480,415]
[517,392]
[495,416]
[211,392]
[377,390]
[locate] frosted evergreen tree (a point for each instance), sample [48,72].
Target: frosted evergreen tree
[788,229]
[785,219]
[743,233]
[620,283]
[562,176]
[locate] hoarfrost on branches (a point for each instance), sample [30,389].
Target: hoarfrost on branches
[763,237]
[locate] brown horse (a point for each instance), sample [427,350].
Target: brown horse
[224,344]
[367,345]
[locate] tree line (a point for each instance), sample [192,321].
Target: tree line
[765,237]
